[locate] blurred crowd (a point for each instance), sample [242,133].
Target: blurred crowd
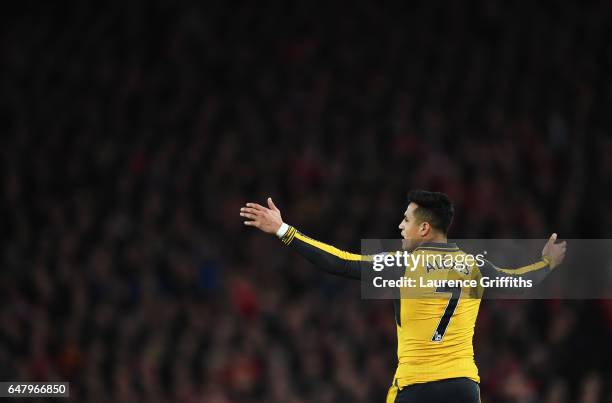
[135,130]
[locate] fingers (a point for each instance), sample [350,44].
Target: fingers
[561,245]
[253,213]
[553,239]
[249,215]
[256,206]
[272,205]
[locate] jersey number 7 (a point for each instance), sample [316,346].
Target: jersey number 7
[455,292]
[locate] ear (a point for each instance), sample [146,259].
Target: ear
[425,229]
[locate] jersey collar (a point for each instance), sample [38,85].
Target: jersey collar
[438,245]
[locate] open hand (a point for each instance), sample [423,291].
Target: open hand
[268,219]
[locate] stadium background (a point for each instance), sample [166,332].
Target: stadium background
[134,132]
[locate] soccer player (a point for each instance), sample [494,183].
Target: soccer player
[434,333]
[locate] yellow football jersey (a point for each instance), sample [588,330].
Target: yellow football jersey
[435,326]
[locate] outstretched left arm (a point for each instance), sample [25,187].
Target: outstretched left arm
[325,257]
[552,255]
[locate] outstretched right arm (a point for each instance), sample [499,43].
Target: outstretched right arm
[322,255]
